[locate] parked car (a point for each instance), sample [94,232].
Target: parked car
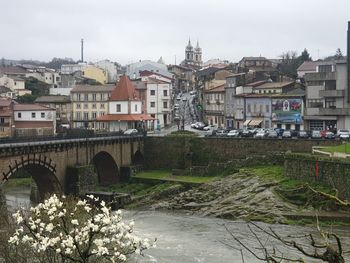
[221,133]
[184,99]
[329,135]
[272,134]
[303,134]
[279,131]
[343,134]
[176,106]
[193,92]
[130,132]
[260,134]
[233,133]
[316,134]
[287,134]
[246,133]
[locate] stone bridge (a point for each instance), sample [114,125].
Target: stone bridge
[60,165]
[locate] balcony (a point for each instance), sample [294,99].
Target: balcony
[334,111]
[320,76]
[331,93]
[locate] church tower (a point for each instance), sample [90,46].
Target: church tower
[189,54]
[198,55]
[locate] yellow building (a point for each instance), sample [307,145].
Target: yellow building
[95,73]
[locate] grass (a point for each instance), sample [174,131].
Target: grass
[344,148]
[167,176]
[17,182]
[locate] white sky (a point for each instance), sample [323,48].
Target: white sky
[130,30]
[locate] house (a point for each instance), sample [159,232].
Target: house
[311,67]
[133,70]
[159,101]
[15,84]
[271,87]
[6,117]
[125,109]
[32,120]
[183,78]
[262,68]
[63,107]
[88,103]
[214,105]
[110,68]
[97,74]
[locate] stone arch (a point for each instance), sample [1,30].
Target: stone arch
[106,168]
[137,158]
[43,172]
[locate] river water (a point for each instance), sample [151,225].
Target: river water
[184,238]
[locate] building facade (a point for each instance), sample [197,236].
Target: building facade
[88,103]
[6,117]
[214,106]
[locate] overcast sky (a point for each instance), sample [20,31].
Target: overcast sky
[130,30]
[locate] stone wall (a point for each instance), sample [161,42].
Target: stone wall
[184,152]
[333,172]
[81,179]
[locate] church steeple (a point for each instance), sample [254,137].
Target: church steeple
[198,55]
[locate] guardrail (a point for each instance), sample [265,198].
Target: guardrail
[10,142]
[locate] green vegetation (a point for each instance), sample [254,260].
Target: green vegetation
[344,148]
[183,133]
[16,182]
[167,176]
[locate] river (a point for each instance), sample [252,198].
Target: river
[184,238]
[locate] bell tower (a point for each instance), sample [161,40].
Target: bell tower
[189,52]
[198,55]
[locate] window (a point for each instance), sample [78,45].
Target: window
[165,93]
[330,103]
[94,115]
[153,115]
[315,83]
[19,115]
[2,120]
[325,68]
[102,106]
[78,116]
[94,106]
[33,114]
[42,115]
[78,106]
[315,103]
[15,83]
[2,129]
[86,115]
[78,97]
[135,107]
[86,97]
[153,92]
[316,125]
[86,106]
[119,108]
[101,96]
[153,104]
[267,108]
[94,96]
[248,108]
[165,104]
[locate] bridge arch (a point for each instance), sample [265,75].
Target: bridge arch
[137,158]
[43,172]
[106,168]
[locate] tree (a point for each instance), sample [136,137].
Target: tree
[291,62]
[327,247]
[26,98]
[338,54]
[69,230]
[305,56]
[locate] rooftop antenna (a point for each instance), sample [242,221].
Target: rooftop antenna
[82,50]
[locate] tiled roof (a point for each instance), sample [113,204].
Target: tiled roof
[31,107]
[12,70]
[125,117]
[92,88]
[156,81]
[4,89]
[220,88]
[256,83]
[5,102]
[53,98]
[145,73]
[124,91]
[273,85]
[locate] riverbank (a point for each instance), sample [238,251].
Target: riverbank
[258,194]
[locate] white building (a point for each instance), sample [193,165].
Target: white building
[125,109]
[159,101]
[71,68]
[34,120]
[15,84]
[133,70]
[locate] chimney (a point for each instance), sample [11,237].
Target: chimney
[348,60]
[82,50]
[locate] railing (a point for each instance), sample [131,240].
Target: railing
[64,138]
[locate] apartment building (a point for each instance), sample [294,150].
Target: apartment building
[88,103]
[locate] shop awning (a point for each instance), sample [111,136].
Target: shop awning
[246,122]
[255,122]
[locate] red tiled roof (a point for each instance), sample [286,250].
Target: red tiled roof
[124,91]
[125,117]
[12,70]
[256,83]
[31,107]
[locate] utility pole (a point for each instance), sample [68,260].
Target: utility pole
[82,50]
